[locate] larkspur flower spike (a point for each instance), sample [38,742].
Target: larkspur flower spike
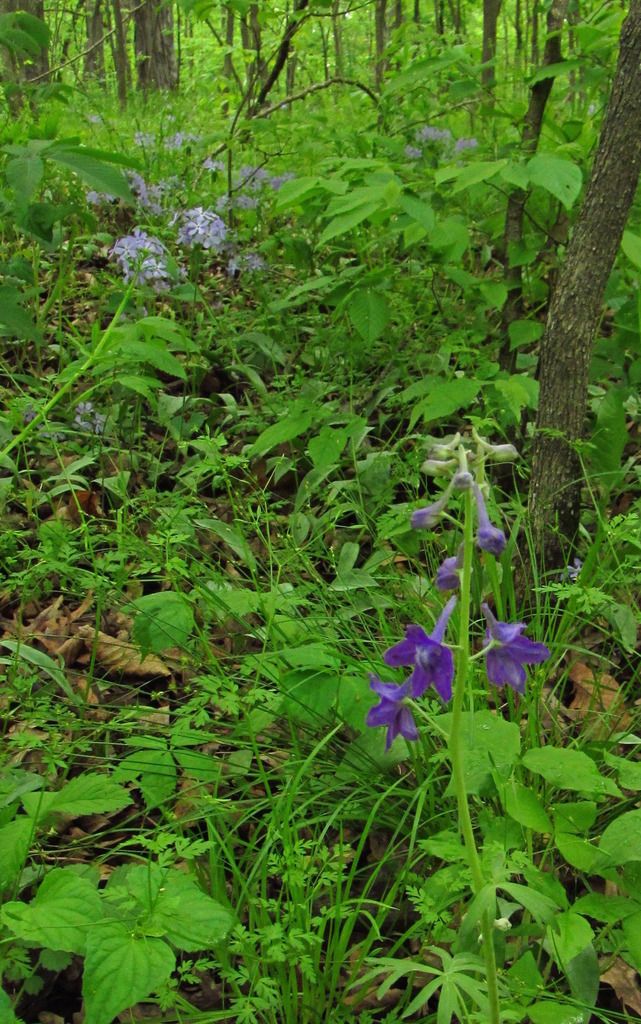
[488,537]
[431,661]
[392,711]
[510,652]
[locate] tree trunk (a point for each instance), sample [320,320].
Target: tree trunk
[337,31]
[399,13]
[513,233]
[154,46]
[380,35]
[121,60]
[575,310]
[95,55]
[439,19]
[34,66]
[291,28]
[417,12]
[491,10]
[228,61]
[535,32]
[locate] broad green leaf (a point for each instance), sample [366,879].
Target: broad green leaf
[292,192]
[632,934]
[296,422]
[542,907]
[341,225]
[369,313]
[560,177]
[517,393]
[15,317]
[523,805]
[553,71]
[231,536]
[490,747]
[609,437]
[580,853]
[89,793]
[474,174]
[93,171]
[448,397]
[584,975]
[65,908]
[567,936]
[7,1014]
[524,332]
[189,918]
[621,840]
[163,620]
[15,840]
[153,351]
[41,660]
[624,621]
[419,211]
[327,447]
[628,772]
[569,769]
[515,174]
[631,245]
[309,695]
[24,174]
[121,970]
[494,293]
[156,773]
[555,1013]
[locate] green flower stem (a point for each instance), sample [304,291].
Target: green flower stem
[456,756]
[82,369]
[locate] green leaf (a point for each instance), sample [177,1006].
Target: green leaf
[631,245]
[93,171]
[474,174]
[41,660]
[632,934]
[517,393]
[156,772]
[610,436]
[555,1013]
[297,422]
[7,1015]
[369,313]
[163,620]
[326,448]
[65,908]
[621,840]
[447,397]
[121,970]
[232,537]
[624,621]
[309,695]
[490,747]
[567,936]
[90,793]
[341,225]
[153,351]
[523,805]
[560,177]
[15,840]
[628,772]
[569,769]
[24,174]
[189,918]
[605,907]
[524,332]
[15,317]
[419,211]
[583,973]
[542,907]
[553,70]
[515,174]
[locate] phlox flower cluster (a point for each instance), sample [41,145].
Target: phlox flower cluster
[144,139]
[100,198]
[149,197]
[142,259]
[441,136]
[210,164]
[430,660]
[249,261]
[88,418]
[179,139]
[199,226]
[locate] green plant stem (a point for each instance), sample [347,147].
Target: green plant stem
[456,757]
[82,369]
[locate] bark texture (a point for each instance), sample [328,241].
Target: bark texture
[575,309]
[380,36]
[95,53]
[154,46]
[491,11]
[513,233]
[282,54]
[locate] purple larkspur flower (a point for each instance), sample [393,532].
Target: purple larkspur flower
[210,164]
[488,537]
[279,180]
[447,574]
[511,651]
[429,515]
[178,140]
[245,202]
[202,227]
[144,138]
[392,711]
[462,144]
[430,134]
[413,153]
[430,659]
[143,259]
[252,178]
[99,198]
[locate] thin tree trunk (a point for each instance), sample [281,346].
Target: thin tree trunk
[337,31]
[120,55]
[154,46]
[575,310]
[380,35]
[531,131]
[417,12]
[228,61]
[535,32]
[291,28]
[95,56]
[491,11]
[439,20]
[399,13]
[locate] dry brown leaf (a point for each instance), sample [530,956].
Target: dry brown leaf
[597,703]
[121,657]
[624,980]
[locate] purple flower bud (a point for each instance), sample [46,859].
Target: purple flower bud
[502,452]
[462,480]
[438,467]
[462,144]
[423,518]
[413,153]
[488,537]
[447,576]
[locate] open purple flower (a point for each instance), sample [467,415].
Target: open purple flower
[431,660]
[505,661]
[488,537]
[447,574]
[392,710]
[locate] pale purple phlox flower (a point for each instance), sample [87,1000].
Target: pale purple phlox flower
[201,227]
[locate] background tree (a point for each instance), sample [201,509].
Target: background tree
[154,45]
[576,306]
